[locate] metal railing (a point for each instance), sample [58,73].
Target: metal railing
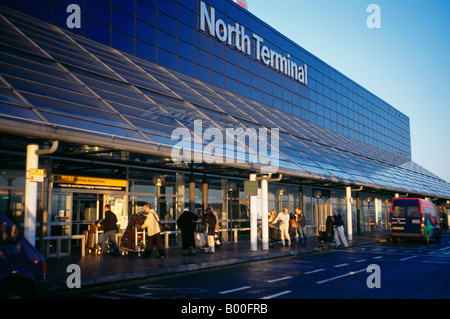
[234,231]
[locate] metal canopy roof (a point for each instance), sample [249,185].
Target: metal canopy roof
[58,85]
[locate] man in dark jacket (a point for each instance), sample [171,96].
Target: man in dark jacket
[110,229]
[209,221]
[301,222]
[186,223]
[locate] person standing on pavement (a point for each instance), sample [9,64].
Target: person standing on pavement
[301,221]
[153,232]
[272,216]
[217,240]
[339,229]
[187,222]
[110,229]
[209,221]
[283,219]
[293,225]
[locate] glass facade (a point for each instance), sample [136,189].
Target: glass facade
[167,33]
[114,90]
[71,211]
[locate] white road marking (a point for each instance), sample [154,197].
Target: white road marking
[234,290]
[280,279]
[277,295]
[314,271]
[411,257]
[341,276]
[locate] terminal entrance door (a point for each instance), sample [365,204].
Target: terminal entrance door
[322,211]
[71,213]
[86,209]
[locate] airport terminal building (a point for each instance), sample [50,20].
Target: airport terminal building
[178,103]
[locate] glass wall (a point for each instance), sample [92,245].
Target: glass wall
[370,212]
[12,191]
[220,198]
[70,212]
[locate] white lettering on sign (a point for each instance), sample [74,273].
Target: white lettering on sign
[235,35]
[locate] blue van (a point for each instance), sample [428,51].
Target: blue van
[23,271]
[413,218]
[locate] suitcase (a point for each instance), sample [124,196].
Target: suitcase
[274,233]
[90,242]
[128,241]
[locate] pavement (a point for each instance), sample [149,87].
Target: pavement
[106,269]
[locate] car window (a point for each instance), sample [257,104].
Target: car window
[413,211]
[398,211]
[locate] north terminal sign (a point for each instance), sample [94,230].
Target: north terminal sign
[92,183]
[235,35]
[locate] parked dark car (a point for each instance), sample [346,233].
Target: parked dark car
[23,271]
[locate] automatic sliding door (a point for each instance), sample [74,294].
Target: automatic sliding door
[86,209]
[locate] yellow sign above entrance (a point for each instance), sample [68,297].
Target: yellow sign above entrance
[95,183]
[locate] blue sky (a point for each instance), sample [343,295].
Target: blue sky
[405,62]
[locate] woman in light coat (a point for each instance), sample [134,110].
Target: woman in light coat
[283,218]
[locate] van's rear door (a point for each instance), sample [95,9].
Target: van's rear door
[413,217]
[398,216]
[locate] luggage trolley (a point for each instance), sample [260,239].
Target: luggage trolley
[133,239]
[275,237]
[135,246]
[201,242]
[327,237]
[93,235]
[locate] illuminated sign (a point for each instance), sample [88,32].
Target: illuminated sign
[94,183]
[235,35]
